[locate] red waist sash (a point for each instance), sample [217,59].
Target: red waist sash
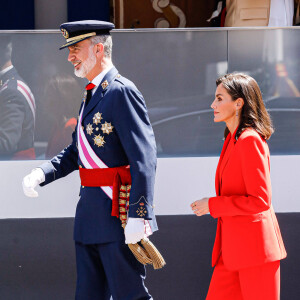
[114,177]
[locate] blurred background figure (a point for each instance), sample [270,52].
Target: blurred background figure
[244,13]
[62,101]
[17,109]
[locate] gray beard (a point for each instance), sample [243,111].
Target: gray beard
[86,66]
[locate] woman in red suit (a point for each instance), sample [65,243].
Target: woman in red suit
[248,245]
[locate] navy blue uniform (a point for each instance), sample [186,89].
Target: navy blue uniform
[17,113]
[117,126]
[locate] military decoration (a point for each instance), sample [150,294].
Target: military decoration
[141,211]
[84,96]
[97,118]
[89,129]
[107,128]
[99,140]
[104,84]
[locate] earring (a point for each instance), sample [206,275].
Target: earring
[237,113]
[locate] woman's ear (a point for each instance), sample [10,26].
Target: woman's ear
[239,103]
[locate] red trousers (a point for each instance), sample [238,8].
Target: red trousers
[255,283]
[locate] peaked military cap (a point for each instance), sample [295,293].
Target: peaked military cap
[78,31]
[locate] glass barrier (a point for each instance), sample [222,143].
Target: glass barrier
[272,57]
[174,69]
[39,96]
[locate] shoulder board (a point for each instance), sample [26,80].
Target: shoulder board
[119,78]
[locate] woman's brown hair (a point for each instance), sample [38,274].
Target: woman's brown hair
[254,114]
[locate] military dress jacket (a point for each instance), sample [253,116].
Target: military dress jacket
[17,116]
[117,127]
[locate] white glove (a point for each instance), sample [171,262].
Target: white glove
[30,182]
[134,230]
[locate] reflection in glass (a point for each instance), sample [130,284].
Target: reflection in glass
[175,71]
[61,101]
[17,109]
[272,58]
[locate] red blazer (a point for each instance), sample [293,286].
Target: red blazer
[248,233]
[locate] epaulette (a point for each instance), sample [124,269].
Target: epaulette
[120,79]
[4,84]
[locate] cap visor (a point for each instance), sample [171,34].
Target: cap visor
[73,42]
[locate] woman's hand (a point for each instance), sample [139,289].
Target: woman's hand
[200,207]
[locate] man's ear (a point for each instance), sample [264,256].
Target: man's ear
[99,48]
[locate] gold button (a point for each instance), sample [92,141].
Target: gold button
[82,186]
[80,166]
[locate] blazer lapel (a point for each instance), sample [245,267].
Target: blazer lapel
[217,178]
[226,157]
[101,90]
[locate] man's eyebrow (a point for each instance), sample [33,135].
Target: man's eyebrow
[74,46]
[217,95]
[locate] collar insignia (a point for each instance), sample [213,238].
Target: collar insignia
[104,84]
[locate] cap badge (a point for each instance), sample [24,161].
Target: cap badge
[104,84]
[65,33]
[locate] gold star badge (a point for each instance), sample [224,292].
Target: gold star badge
[99,140]
[107,128]
[104,84]
[89,129]
[97,118]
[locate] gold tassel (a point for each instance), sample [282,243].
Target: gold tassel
[157,259]
[140,254]
[147,253]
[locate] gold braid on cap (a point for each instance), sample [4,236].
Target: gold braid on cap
[79,37]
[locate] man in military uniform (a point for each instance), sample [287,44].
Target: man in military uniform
[113,144]
[17,109]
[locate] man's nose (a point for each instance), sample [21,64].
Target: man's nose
[71,56]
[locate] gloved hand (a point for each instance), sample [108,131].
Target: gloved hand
[134,230]
[30,182]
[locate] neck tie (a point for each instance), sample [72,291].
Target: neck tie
[89,89]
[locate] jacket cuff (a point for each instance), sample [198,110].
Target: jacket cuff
[48,169]
[141,209]
[212,206]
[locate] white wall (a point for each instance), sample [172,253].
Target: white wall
[179,181]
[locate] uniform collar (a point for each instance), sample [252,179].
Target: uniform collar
[97,80]
[6,70]
[100,92]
